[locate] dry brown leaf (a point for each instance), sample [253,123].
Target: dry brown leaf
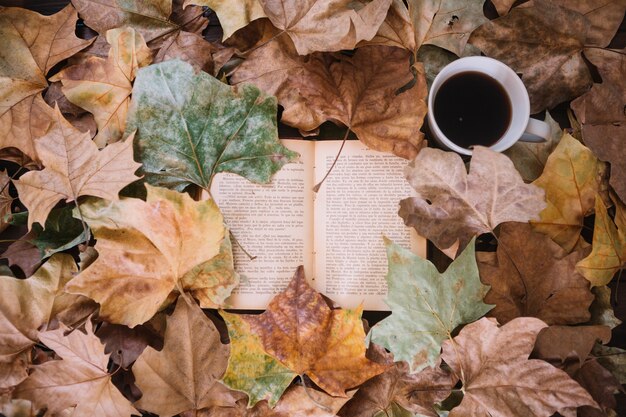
[80,380]
[503,6]
[103,86]
[26,305]
[543,42]
[125,344]
[534,277]
[499,379]
[232,14]
[24,254]
[360,92]
[145,248]
[571,179]
[185,374]
[396,30]
[604,18]
[303,333]
[54,96]
[190,48]
[74,167]
[563,343]
[32,44]
[6,201]
[453,205]
[601,113]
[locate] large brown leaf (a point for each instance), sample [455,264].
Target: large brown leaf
[453,206]
[499,379]
[361,92]
[103,86]
[303,333]
[543,42]
[531,276]
[31,45]
[604,17]
[185,374]
[74,167]
[601,113]
[80,380]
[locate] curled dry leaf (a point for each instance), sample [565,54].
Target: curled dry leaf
[426,305]
[27,305]
[543,42]
[452,205]
[233,14]
[608,251]
[531,276]
[361,92]
[499,379]
[32,44]
[79,380]
[571,179]
[74,167]
[125,344]
[145,248]
[103,86]
[185,374]
[192,126]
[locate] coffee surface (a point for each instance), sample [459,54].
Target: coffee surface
[471,108]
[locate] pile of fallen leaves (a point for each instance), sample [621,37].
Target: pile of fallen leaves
[118,271]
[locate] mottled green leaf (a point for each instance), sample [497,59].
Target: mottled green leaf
[250,369]
[192,126]
[427,306]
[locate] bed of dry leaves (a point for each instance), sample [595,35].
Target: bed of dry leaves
[111,300]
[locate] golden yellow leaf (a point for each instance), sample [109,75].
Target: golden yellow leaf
[145,248]
[74,167]
[103,86]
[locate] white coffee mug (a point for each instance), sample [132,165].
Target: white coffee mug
[521,126]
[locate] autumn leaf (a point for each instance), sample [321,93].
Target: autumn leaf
[300,401]
[27,305]
[531,276]
[604,18]
[427,306]
[191,127]
[152,19]
[185,374]
[6,201]
[32,44]
[250,369]
[601,112]
[503,6]
[145,248]
[74,167]
[543,42]
[233,14]
[79,380]
[571,178]
[452,205]
[125,344]
[361,92]
[608,254]
[499,379]
[103,86]
[396,30]
[613,359]
[601,309]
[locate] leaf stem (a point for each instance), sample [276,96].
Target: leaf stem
[319,184]
[232,236]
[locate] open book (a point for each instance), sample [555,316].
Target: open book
[337,233]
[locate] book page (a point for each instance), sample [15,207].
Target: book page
[273,222]
[358,204]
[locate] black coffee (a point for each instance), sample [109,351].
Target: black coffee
[472,108]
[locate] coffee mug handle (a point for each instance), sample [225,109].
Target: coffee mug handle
[536,131]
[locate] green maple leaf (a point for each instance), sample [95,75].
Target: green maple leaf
[427,306]
[192,126]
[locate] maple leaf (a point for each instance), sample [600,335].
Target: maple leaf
[250,369]
[452,205]
[396,30]
[604,18]
[145,248]
[27,305]
[608,250]
[125,344]
[195,50]
[499,379]
[103,86]
[571,178]
[601,112]
[32,45]
[232,14]
[184,374]
[361,91]
[503,6]
[79,380]
[531,276]
[543,42]
[6,201]
[300,401]
[152,18]
[74,167]
[191,127]
[426,305]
